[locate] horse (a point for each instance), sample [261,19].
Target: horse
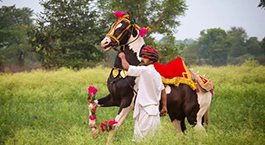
[182,101]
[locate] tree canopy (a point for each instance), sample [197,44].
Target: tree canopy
[160,15]
[67,33]
[13,39]
[262,4]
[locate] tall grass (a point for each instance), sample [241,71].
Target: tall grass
[50,107]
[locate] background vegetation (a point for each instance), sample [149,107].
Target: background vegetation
[68,34]
[50,107]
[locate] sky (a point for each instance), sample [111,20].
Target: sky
[201,15]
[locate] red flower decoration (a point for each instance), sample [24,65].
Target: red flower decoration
[92,117]
[92,91]
[102,127]
[143,31]
[119,14]
[107,125]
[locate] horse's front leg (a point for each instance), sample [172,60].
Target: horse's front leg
[103,102]
[92,118]
[123,112]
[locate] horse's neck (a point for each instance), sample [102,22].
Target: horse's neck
[131,50]
[136,45]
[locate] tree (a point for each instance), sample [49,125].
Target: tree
[261,57]
[190,54]
[13,39]
[253,46]
[160,15]
[213,46]
[67,34]
[169,49]
[262,45]
[262,4]
[238,38]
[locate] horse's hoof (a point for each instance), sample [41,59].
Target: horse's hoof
[95,133]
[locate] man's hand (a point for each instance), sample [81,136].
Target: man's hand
[124,62]
[163,111]
[121,55]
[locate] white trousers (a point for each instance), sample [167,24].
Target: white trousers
[145,124]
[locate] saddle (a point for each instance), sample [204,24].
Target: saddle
[204,83]
[176,72]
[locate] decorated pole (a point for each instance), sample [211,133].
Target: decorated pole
[91,97]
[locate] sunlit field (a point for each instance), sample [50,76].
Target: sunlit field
[50,107]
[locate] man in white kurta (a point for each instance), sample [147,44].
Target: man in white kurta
[150,90]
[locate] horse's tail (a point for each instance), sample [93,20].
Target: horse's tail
[206,116]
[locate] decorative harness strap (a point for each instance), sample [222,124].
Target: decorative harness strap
[113,27]
[123,74]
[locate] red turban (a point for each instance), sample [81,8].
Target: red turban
[150,53]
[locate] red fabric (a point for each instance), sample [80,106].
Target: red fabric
[203,80]
[173,69]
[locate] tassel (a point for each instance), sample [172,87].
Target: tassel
[119,14]
[143,31]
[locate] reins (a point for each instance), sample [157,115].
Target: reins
[115,48]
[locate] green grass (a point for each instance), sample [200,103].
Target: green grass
[50,107]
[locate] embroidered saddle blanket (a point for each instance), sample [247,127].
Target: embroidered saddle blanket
[175,72]
[206,84]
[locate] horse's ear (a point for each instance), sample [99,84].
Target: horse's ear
[119,14]
[131,18]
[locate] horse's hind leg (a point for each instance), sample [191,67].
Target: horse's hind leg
[204,99]
[125,109]
[178,124]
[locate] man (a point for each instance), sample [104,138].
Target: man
[150,91]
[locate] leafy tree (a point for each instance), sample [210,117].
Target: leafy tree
[169,49]
[13,38]
[253,46]
[261,57]
[160,15]
[238,38]
[190,54]
[213,46]
[67,33]
[262,4]
[262,45]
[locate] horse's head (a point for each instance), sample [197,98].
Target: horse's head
[120,31]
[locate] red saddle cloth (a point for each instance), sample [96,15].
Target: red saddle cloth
[175,72]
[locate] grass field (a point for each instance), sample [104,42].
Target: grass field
[50,107]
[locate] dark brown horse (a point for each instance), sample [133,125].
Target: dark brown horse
[182,101]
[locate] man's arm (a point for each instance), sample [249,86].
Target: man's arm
[163,111]
[124,62]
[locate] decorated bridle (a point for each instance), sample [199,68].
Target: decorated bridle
[122,17]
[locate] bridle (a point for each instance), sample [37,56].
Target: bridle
[131,24]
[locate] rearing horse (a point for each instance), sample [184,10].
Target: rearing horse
[182,101]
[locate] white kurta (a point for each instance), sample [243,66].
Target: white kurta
[146,110]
